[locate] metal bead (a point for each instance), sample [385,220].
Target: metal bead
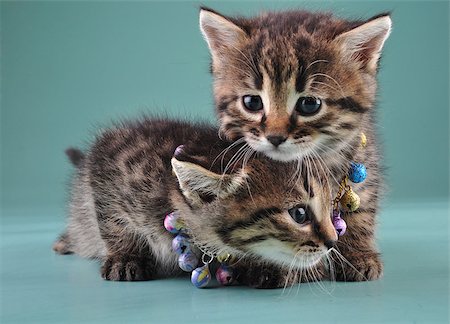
[187,261]
[350,201]
[339,224]
[225,275]
[201,276]
[180,244]
[173,222]
[357,172]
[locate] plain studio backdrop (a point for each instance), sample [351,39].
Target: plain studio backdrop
[69,68]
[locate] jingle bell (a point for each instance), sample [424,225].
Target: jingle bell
[357,172]
[350,201]
[339,224]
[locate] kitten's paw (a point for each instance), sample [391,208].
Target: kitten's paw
[262,277]
[62,245]
[367,266]
[126,269]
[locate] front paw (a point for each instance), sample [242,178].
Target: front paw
[120,268]
[364,267]
[262,277]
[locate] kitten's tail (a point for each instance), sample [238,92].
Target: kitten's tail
[76,156]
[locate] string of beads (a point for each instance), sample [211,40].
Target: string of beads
[346,199]
[189,262]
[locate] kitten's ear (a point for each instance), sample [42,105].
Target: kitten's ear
[365,42]
[198,183]
[220,33]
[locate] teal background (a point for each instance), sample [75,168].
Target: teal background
[69,68]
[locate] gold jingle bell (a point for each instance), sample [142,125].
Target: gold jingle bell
[224,257]
[350,201]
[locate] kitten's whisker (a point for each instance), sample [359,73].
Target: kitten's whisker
[225,151]
[325,84]
[290,270]
[315,62]
[331,78]
[323,165]
[349,263]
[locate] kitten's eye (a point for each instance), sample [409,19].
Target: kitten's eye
[300,214]
[308,106]
[252,103]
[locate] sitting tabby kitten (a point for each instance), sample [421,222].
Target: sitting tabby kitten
[129,180]
[301,86]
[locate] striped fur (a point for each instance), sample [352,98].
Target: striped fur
[129,180]
[282,56]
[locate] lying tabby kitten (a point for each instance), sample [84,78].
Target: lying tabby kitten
[129,180]
[301,86]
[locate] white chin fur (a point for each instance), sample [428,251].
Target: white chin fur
[283,156]
[277,252]
[282,153]
[285,152]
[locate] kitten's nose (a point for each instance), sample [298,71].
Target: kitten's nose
[330,244]
[276,140]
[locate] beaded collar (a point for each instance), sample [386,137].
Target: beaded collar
[346,199]
[188,261]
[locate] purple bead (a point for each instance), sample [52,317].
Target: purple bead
[178,151]
[201,276]
[173,223]
[225,275]
[357,172]
[339,224]
[180,243]
[187,261]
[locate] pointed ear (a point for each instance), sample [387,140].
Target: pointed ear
[201,185]
[220,33]
[365,42]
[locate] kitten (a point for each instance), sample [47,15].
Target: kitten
[258,212]
[301,86]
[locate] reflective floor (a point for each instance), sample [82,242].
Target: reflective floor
[39,286]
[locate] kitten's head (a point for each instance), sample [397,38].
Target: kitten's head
[263,211]
[293,82]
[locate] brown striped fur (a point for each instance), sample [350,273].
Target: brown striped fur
[282,56]
[129,180]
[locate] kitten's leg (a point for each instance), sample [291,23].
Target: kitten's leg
[362,260]
[128,257]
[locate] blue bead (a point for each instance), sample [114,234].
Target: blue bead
[201,276]
[187,261]
[179,244]
[357,172]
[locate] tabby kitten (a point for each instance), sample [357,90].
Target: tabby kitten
[301,86]
[126,183]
